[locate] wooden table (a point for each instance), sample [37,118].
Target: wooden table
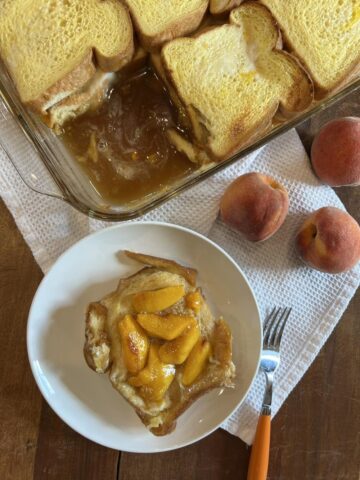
[316,435]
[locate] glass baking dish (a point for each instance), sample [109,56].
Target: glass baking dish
[47,167]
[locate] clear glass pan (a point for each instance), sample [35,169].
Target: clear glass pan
[46,166]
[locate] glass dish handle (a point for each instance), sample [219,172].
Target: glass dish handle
[23,157]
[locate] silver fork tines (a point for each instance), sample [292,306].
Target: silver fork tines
[274,327]
[270,358]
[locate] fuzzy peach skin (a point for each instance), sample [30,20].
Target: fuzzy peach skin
[335,152]
[329,240]
[255,205]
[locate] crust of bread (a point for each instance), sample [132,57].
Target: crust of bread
[79,77]
[97,344]
[158,66]
[91,95]
[190,274]
[65,87]
[355,74]
[115,63]
[87,98]
[179,27]
[221,6]
[320,92]
[219,373]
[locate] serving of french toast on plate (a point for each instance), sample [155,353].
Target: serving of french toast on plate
[159,342]
[226,72]
[178,337]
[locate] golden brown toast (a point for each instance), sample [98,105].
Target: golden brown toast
[49,48]
[161,359]
[232,79]
[325,35]
[157,21]
[89,97]
[221,6]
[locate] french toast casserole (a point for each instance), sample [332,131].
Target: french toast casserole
[145,92]
[159,342]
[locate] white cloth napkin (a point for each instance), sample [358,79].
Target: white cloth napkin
[278,277]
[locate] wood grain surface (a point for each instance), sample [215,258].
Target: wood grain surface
[315,436]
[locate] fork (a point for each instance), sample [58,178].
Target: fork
[269,362]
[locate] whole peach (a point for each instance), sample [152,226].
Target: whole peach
[335,152]
[329,240]
[256,205]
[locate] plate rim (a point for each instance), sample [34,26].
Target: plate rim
[100,232]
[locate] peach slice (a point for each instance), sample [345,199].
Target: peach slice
[152,301]
[194,300]
[134,342]
[155,379]
[196,361]
[167,327]
[178,350]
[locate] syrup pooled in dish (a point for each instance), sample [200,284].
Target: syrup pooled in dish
[159,342]
[123,146]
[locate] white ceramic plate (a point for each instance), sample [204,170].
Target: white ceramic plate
[85,400]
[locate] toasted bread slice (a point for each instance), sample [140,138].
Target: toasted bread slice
[48,47]
[67,86]
[91,94]
[232,80]
[177,138]
[221,6]
[103,349]
[158,21]
[157,65]
[324,34]
[89,97]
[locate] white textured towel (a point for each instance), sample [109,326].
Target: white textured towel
[273,268]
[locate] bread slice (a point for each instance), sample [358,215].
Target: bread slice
[325,35]
[89,97]
[103,349]
[182,117]
[48,47]
[232,80]
[69,85]
[176,137]
[221,6]
[157,21]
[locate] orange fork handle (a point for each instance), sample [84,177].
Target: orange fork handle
[259,459]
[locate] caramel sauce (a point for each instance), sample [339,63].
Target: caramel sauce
[122,146]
